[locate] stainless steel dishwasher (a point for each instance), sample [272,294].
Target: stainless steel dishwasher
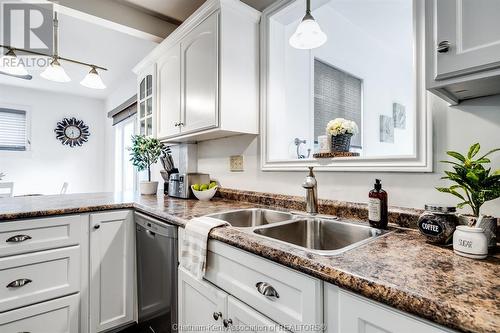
[156,274]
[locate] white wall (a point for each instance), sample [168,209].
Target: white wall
[48,163]
[455,128]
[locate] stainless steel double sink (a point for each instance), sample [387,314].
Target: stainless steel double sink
[321,235]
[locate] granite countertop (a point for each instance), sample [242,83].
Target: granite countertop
[399,269]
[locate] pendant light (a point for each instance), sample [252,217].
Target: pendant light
[308,34]
[93,80]
[55,72]
[10,64]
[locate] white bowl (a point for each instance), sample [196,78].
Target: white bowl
[205,195]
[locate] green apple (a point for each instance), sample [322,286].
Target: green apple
[204,187]
[196,187]
[212,185]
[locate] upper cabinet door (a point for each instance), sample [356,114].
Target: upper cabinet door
[467,36]
[199,65]
[169,92]
[145,103]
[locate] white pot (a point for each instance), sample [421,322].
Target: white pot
[148,188]
[470,242]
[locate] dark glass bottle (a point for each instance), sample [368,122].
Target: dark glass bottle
[377,206]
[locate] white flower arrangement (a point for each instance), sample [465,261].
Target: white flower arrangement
[339,126]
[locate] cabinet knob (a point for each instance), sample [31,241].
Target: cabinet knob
[443,46]
[267,290]
[18,239]
[217,315]
[19,283]
[97,226]
[227,322]
[176,124]
[181,124]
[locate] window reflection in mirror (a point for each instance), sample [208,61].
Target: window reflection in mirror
[364,73]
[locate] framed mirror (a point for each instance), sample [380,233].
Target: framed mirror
[369,72]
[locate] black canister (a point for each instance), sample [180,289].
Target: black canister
[438,223]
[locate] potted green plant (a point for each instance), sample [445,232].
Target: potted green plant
[474,184]
[341,131]
[145,151]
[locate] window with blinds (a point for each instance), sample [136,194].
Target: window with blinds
[337,94]
[13,129]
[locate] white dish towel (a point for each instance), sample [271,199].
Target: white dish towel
[194,244]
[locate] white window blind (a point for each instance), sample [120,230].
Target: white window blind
[336,94]
[13,134]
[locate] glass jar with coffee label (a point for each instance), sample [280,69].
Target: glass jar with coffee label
[438,223]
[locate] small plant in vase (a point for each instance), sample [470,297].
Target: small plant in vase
[341,131]
[145,152]
[474,184]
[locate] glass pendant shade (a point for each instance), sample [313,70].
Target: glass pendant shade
[308,35]
[55,72]
[92,80]
[10,64]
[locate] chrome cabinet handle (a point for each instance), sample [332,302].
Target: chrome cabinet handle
[217,315]
[97,226]
[444,46]
[267,290]
[18,239]
[19,283]
[227,322]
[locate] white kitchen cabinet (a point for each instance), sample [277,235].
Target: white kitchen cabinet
[463,45]
[22,236]
[201,304]
[169,98]
[112,270]
[199,76]
[55,316]
[284,295]
[213,86]
[346,312]
[246,319]
[36,277]
[146,101]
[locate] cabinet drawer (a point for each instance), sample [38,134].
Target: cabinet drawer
[238,272]
[37,277]
[57,316]
[23,236]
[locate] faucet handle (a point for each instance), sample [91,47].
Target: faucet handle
[310,181]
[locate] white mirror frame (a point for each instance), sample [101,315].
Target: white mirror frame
[421,161]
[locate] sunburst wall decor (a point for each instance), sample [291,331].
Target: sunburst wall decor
[72,132]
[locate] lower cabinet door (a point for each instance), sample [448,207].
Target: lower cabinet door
[112,270]
[202,306]
[56,316]
[242,318]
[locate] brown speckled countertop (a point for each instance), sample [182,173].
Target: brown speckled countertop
[399,269]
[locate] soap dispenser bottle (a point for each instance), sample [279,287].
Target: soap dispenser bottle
[377,206]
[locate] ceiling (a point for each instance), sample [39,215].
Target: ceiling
[181,9]
[90,43]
